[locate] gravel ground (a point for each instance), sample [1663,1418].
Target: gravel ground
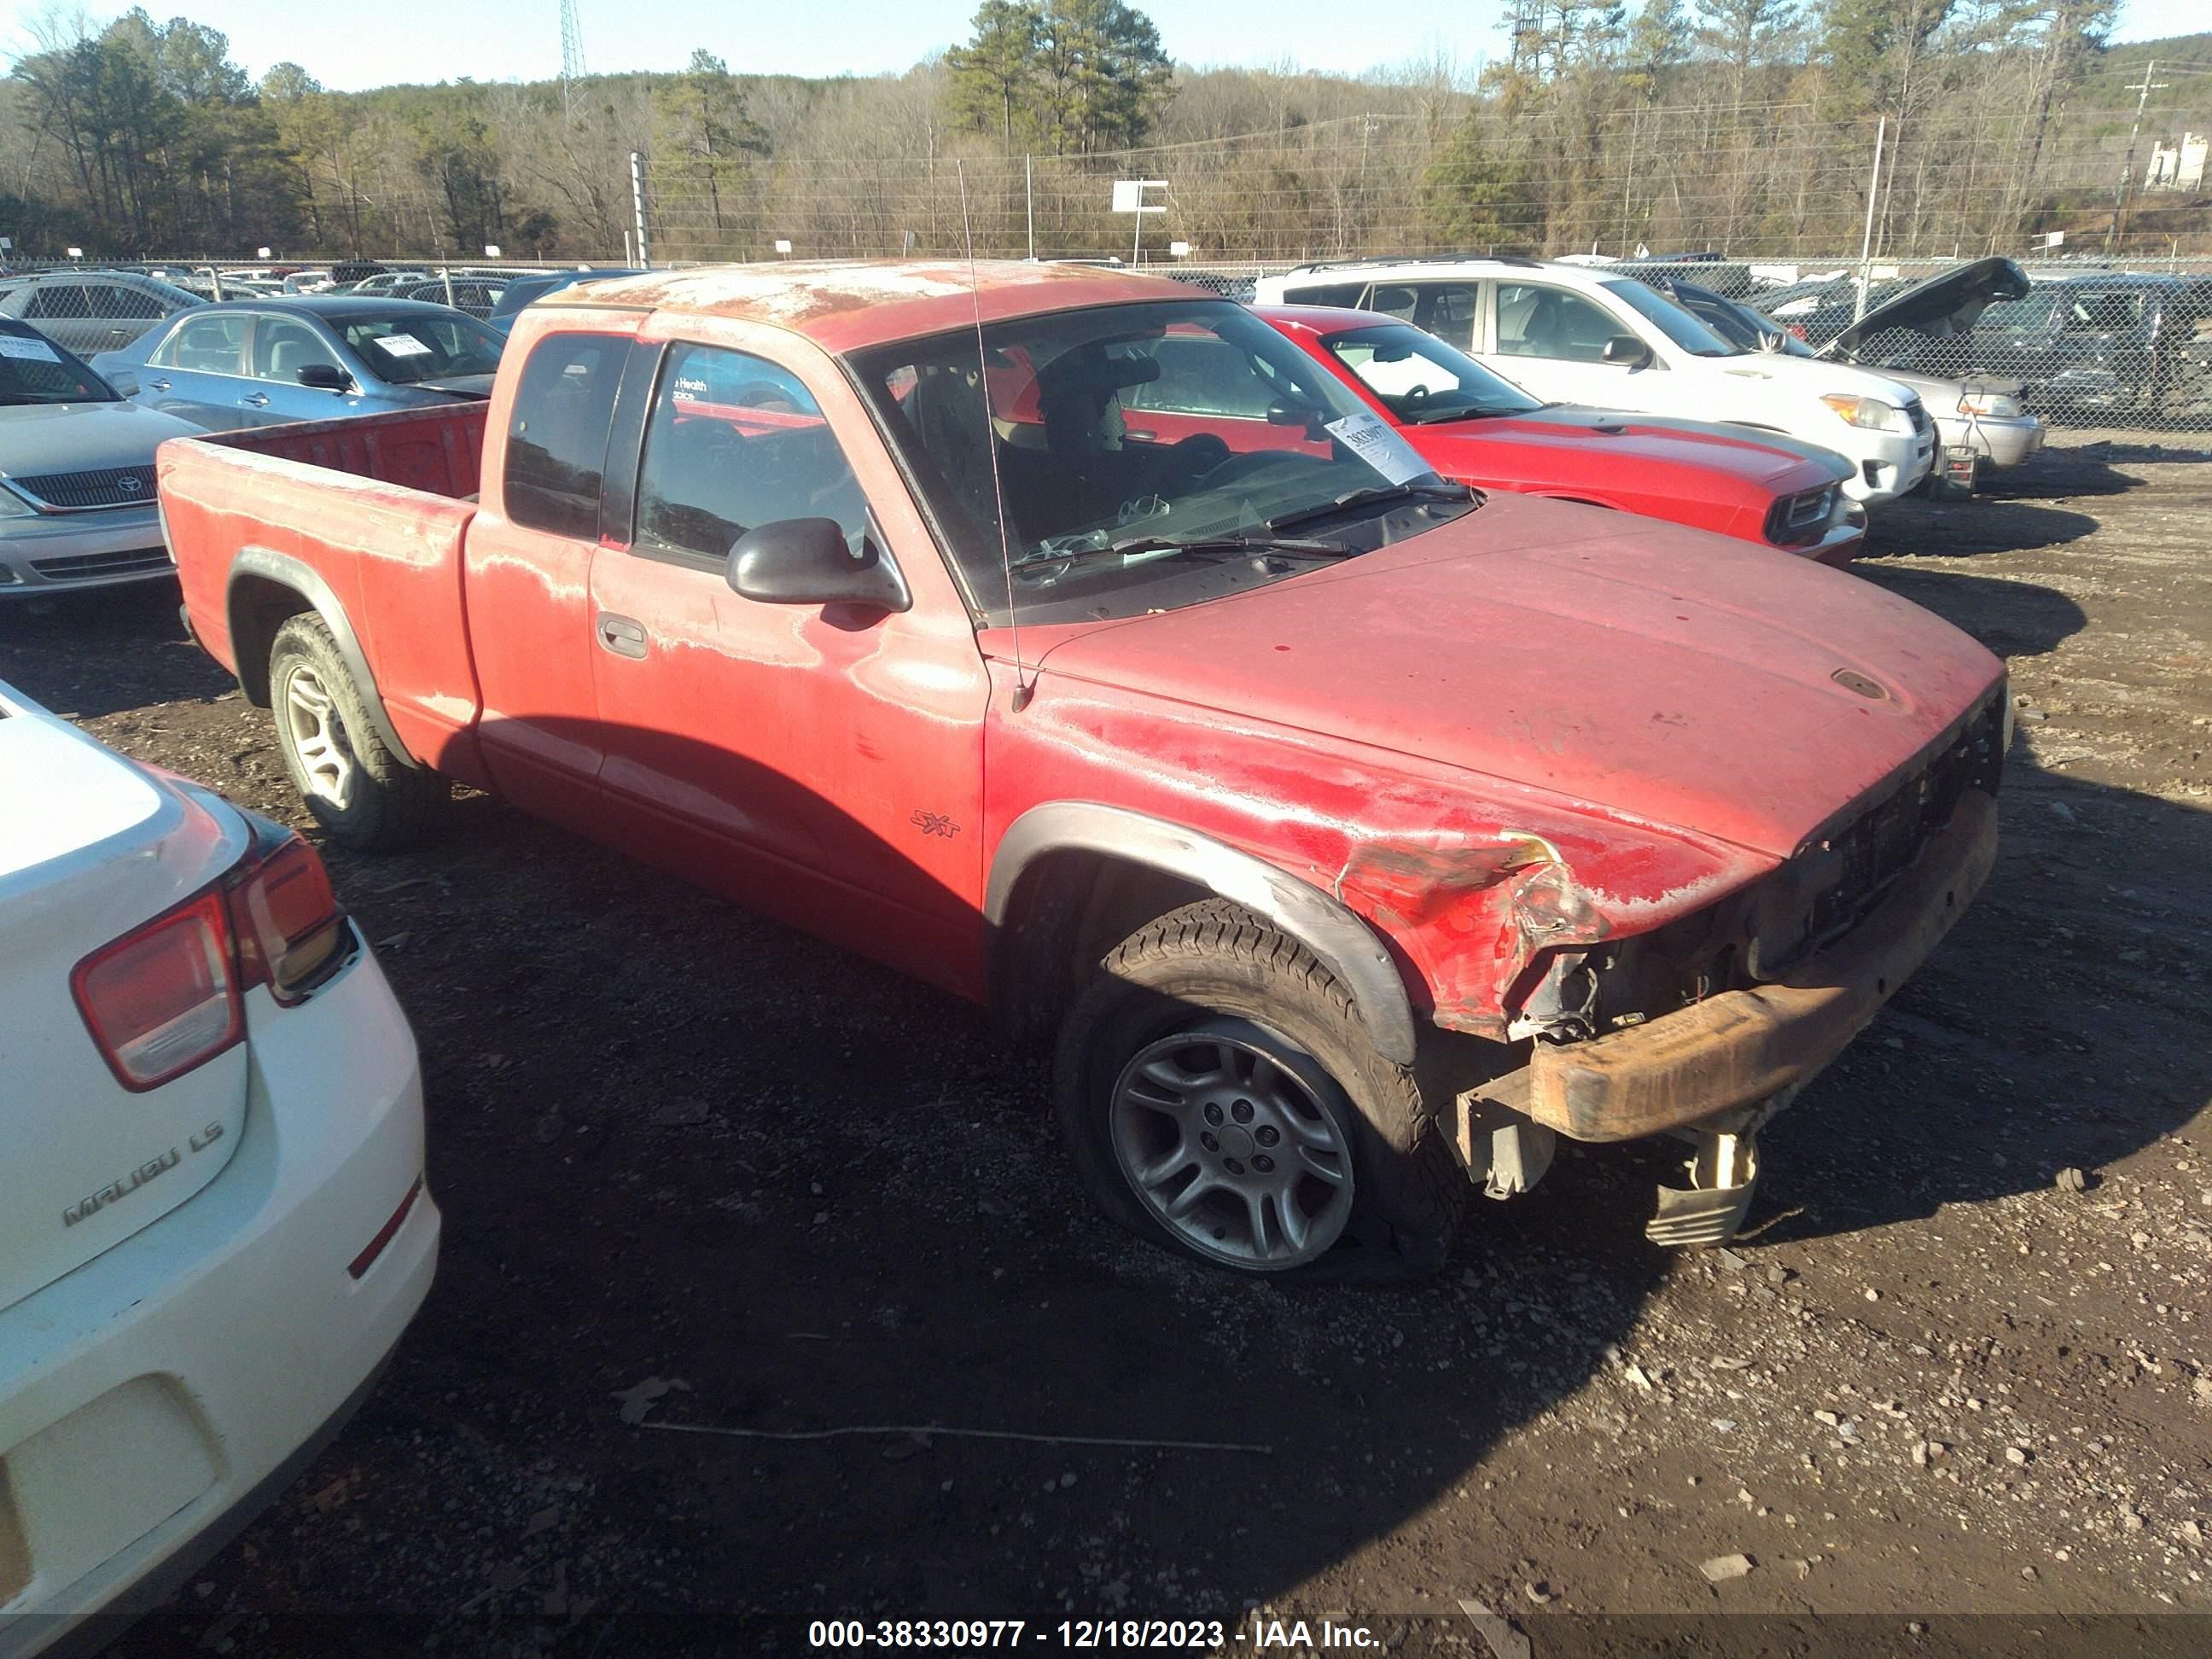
[700,1172]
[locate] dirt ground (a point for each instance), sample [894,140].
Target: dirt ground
[678,1146]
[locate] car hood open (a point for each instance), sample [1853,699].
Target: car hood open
[1943,305]
[1640,667]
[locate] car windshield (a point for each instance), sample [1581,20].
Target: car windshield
[1423,380]
[417,346]
[1145,455]
[1670,319]
[33,370]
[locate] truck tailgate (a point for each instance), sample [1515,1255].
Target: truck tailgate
[368,507]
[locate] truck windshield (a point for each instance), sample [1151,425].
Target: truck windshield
[1147,456]
[33,370]
[409,348]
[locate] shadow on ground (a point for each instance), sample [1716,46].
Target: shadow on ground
[680,1145]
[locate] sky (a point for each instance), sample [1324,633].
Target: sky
[352,46]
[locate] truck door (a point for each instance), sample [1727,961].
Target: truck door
[820,763]
[528,557]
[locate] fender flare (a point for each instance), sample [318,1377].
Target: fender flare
[303,579]
[1346,945]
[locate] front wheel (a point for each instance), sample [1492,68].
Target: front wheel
[361,793]
[1220,1095]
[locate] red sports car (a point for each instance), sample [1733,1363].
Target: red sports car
[1475,428]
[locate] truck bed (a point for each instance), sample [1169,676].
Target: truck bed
[434,449]
[330,498]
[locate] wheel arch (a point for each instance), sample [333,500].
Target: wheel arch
[265,590]
[1069,875]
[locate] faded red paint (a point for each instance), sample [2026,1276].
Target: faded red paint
[1542,724]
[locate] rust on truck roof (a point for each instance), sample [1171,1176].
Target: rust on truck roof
[848,305]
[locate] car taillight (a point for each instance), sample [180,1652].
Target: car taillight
[285,918]
[168,996]
[164,997]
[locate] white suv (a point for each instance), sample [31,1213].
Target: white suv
[1575,335]
[213,1222]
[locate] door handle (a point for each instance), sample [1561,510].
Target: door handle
[256,399]
[1142,436]
[621,636]
[158,386]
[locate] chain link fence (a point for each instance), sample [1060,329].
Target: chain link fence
[2123,344]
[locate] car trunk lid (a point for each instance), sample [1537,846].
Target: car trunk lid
[87,1162]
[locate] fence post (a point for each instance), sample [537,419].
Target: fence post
[1866,242]
[637,205]
[1028,197]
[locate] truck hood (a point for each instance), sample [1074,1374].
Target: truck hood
[1943,306]
[39,438]
[1655,672]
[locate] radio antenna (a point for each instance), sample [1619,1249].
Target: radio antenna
[1024,689]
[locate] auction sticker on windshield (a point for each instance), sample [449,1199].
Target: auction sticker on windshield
[14,345]
[1370,439]
[402,345]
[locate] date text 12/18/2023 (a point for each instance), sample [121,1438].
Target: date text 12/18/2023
[1187,1635]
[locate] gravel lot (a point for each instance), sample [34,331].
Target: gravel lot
[700,1171]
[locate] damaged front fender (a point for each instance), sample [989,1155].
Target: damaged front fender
[1479,917]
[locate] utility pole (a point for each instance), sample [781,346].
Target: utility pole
[637,205]
[572,58]
[2127,168]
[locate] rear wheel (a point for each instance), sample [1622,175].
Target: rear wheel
[1219,1096]
[361,793]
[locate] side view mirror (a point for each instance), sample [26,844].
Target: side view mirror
[326,377]
[1286,411]
[125,382]
[1626,351]
[807,561]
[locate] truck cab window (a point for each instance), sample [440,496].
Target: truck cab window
[734,442]
[557,445]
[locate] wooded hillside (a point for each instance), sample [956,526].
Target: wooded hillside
[1743,125]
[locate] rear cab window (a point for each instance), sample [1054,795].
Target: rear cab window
[556,436]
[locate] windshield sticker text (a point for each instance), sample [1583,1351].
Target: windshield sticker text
[1368,437]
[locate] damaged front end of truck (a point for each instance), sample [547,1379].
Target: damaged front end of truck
[1697,1011]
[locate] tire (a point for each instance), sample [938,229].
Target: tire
[365,796]
[1262,1050]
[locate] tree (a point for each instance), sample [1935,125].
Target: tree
[1469,196]
[706,133]
[996,69]
[1658,42]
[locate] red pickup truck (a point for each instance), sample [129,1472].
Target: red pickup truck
[1348,835]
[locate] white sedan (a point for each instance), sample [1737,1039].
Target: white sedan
[213,1221]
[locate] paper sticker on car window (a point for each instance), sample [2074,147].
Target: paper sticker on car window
[38,351]
[402,345]
[1368,437]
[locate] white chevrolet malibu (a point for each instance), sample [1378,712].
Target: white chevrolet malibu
[213,1220]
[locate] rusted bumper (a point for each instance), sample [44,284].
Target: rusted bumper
[1741,1047]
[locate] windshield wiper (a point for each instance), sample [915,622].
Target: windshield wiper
[1436,489]
[1439,416]
[1293,546]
